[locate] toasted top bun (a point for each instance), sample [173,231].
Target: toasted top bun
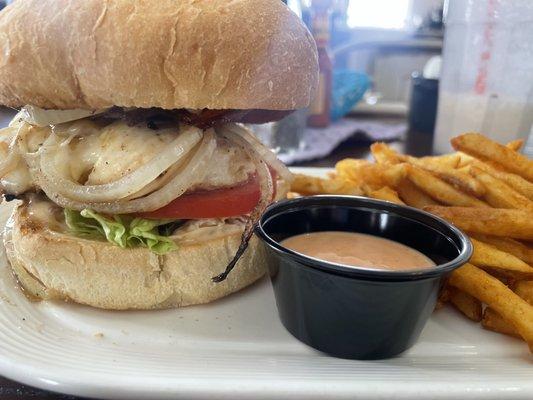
[171,54]
[52,265]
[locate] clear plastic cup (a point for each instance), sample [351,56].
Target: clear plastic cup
[487,76]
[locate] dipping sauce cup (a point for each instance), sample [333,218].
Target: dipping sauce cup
[357,312]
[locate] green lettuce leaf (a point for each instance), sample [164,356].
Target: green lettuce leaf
[123,231]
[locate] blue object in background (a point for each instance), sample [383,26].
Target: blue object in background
[348,88]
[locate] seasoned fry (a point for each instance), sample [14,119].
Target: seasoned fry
[452,160]
[413,196]
[464,160]
[499,194]
[383,154]
[508,245]
[504,276]
[439,305]
[385,193]
[309,185]
[349,169]
[467,161]
[515,145]
[486,255]
[444,297]
[468,305]
[440,190]
[373,175]
[496,295]
[525,290]
[292,195]
[507,276]
[517,224]
[518,183]
[459,179]
[493,321]
[482,147]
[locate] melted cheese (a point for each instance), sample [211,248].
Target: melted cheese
[19,180]
[101,154]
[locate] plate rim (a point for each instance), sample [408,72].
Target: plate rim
[35,376]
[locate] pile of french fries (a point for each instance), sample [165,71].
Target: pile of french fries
[485,189]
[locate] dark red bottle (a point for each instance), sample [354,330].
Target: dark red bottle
[319,110]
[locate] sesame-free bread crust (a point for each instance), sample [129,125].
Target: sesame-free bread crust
[171,54]
[57,266]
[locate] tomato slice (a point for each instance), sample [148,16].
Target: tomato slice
[218,203]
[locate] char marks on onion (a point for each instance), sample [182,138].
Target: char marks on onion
[178,166]
[266,187]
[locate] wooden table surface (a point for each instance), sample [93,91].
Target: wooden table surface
[415,144]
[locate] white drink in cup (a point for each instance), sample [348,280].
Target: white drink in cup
[487,76]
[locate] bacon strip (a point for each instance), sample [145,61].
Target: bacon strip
[208,118]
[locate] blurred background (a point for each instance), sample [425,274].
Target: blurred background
[413,72]
[410,72]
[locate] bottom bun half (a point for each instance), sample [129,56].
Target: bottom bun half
[51,265]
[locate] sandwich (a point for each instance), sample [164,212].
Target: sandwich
[136,180]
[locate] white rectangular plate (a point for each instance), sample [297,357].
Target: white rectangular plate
[236,348]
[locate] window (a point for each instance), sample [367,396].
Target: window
[386,14]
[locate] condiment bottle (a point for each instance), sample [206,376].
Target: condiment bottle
[319,110]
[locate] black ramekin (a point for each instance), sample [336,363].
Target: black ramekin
[357,313]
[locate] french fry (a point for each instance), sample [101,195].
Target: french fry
[465,160]
[452,160]
[496,295]
[500,195]
[525,290]
[393,174]
[516,224]
[454,177]
[413,196]
[439,305]
[385,193]
[440,190]
[469,160]
[515,145]
[486,255]
[383,154]
[482,147]
[504,276]
[518,183]
[457,178]
[444,297]
[373,175]
[508,245]
[309,185]
[493,321]
[507,276]
[349,169]
[468,305]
